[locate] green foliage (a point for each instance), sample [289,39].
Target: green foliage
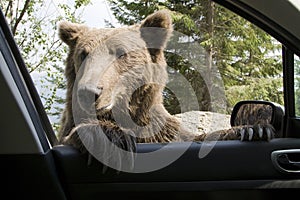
[34,25]
[248,59]
[260,88]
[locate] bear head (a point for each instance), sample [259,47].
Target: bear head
[120,70]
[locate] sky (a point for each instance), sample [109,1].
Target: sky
[296,3]
[95,14]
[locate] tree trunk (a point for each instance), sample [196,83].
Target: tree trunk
[209,51]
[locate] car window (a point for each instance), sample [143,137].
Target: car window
[215,58]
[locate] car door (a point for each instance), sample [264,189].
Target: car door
[34,166]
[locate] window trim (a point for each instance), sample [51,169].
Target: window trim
[288,81]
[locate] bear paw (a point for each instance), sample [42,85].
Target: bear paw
[258,132]
[264,132]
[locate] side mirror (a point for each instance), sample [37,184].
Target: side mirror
[257,112]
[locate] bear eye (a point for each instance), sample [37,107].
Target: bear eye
[120,53]
[83,55]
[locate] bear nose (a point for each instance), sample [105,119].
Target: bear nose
[87,96]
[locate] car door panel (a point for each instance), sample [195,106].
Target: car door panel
[222,169]
[32,176]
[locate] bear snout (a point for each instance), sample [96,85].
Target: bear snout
[87,96]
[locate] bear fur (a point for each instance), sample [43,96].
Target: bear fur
[115,79]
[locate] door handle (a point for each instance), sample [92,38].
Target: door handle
[287,161]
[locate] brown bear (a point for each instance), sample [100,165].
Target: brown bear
[129,88]
[115,82]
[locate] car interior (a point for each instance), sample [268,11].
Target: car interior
[35,166]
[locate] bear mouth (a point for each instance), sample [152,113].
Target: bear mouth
[104,113]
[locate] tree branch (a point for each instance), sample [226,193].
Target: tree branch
[41,60]
[18,20]
[8,8]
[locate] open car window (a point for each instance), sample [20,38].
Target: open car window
[229,60]
[213,62]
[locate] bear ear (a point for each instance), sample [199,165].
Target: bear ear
[156,30]
[70,32]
